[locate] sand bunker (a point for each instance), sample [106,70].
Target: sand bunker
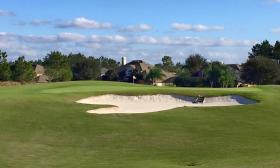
[154,103]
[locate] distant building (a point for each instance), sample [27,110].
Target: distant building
[134,67]
[167,80]
[123,61]
[41,76]
[103,72]
[139,69]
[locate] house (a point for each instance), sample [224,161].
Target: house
[136,67]
[167,80]
[41,76]
[139,69]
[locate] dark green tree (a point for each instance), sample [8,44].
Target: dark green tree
[167,64]
[264,49]
[108,63]
[23,70]
[5,70]
[110,75]
[35,62]
[84,68]
[58,67]
[227,77]
[195,63]
[220,75]
[260,70]
[179,67]
[213,73]
[183,79]
[276,50]
[154,74]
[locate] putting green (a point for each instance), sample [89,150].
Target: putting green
[42,126]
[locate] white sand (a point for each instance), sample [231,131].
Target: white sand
[154,103]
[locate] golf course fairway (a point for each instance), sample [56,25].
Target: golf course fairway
[42,126]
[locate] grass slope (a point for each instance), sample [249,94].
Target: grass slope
[41,126]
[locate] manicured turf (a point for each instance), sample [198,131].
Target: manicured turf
[41,126]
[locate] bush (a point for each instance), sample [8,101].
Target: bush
[110,75]
[190,82]
[185,79]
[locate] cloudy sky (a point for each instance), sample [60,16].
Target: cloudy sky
[138,29]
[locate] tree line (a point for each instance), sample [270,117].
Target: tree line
[58,66]
[261,67]
[198,72]
[19,70]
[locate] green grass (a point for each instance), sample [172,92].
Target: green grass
[41,126]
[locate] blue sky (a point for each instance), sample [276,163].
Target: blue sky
[147,29]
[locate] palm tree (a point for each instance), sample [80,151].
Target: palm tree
[154,74]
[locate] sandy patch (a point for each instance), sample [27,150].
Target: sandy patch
[154,103]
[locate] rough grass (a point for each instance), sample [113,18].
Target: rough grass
[41,126]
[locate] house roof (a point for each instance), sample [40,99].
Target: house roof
[39,69]
[146,67]
[103,71]
[43,79]
[168,77]
[137,64]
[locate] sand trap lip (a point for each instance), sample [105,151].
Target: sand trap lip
[155,103]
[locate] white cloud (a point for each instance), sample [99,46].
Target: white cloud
[39,22]
[192,41]
[91,45]
[145,40]
[85,23]
[276,1]
[36,22]
[71,37]
[196,28]
[37,39]
[137,28]
[276,30]
[11,43]
[225,56]
[109,38]
[150,48]
[6,13]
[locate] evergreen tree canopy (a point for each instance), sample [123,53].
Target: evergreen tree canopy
[23,70]
[58,67]
[5,70]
